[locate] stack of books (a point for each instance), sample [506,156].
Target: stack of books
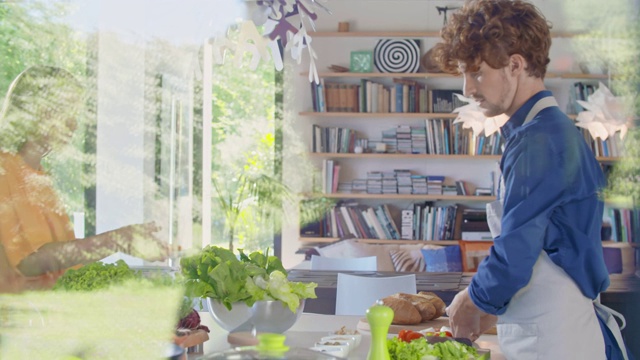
[434,184]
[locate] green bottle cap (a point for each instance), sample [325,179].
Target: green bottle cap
[271,343]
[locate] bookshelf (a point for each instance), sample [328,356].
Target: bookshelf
[401,156]
[474,169]
[407,34]
[378,115]
[380,241]
[411,197]
[385,115]
[419,75]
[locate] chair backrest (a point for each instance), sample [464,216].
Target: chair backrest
[355,294]
[367,263]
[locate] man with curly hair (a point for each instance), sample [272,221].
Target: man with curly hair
[546,266]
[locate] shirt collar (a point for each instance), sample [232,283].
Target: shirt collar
[517,119]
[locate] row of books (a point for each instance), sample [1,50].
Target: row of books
[424,221]
[438,136]
[333,139]
[394,182]
[404,96]
[579,91]
[351,220]
[429,222]
[625,224]
[611,147]
[330,176]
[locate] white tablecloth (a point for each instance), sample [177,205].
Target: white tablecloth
[311,327]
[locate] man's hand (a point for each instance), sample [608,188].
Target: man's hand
[466,320]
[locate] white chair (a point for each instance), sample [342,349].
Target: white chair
[367,263]
[355,294]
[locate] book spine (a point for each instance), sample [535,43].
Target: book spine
[350,225]
[314,95]
[407,225]
[376,224]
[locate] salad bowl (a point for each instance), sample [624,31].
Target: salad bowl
[266,316]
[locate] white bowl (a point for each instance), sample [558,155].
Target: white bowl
[337,351]
[344,345]
[352,333]
[349,339]
[264,316]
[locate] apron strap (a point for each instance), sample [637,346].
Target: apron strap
[541,104]
[608,315]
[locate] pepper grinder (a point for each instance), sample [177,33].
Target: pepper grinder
[379,317]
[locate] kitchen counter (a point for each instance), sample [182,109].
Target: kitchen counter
[311,327]
[623,295]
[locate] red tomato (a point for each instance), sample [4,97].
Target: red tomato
[412,335]
[408,335]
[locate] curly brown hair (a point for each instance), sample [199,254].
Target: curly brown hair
[491,31]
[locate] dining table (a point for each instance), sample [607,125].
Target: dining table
[310,328]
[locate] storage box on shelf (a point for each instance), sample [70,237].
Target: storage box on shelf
[353,115]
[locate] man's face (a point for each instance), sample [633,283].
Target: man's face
[492,88]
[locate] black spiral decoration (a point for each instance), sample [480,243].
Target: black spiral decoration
[397,56]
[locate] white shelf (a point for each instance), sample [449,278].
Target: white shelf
[412,197]
[405,34]
[423,75]
[379,241]
[403,156]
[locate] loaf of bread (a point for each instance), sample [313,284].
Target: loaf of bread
[425,307]
[411,309]
[404,313]
[436,301]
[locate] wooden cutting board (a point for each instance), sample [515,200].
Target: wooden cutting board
[363,326]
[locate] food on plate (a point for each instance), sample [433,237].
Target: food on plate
[344,331]
[404,313]
[353,334]
[428,306]
[444,331]
[191,322]
[96,276]
[438,303]
[420,348]
[425,307]
[349,339]
[190,331]
[409,335]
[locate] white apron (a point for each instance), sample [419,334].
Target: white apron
[549,318]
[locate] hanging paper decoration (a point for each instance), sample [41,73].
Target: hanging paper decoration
[471,116]
[605,114]
[286,20]
[290,21]
[397,56]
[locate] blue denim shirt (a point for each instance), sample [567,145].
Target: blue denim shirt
[552,202]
